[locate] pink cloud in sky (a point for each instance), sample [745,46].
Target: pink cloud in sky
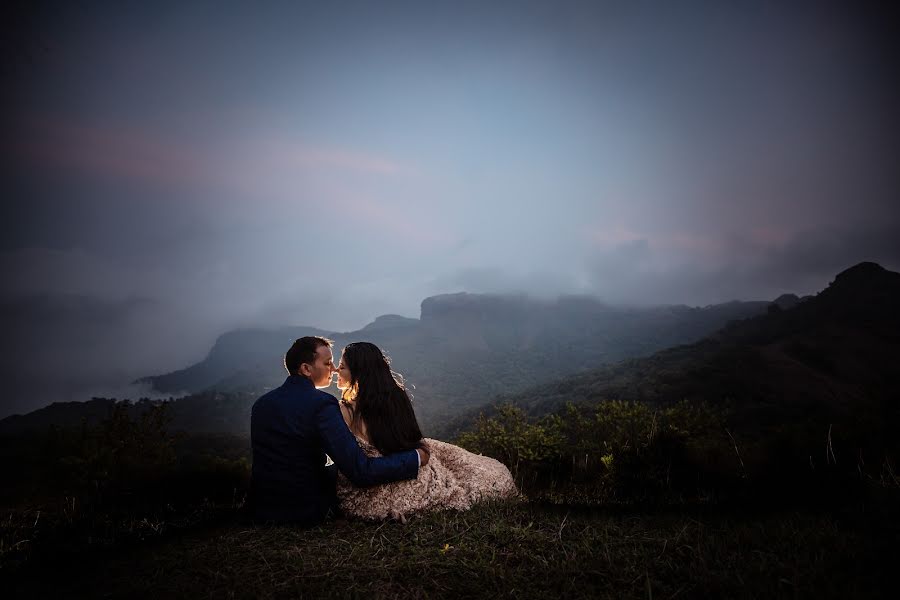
[109,151]
[278,155]
[689,242]
[711,247]
[771,235]
[155,157]
[353,161]
[612,236]
[277,172]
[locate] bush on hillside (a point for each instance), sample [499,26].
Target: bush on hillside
[614,450]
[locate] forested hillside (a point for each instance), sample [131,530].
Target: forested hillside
[782,396]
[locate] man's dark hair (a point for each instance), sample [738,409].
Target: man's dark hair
[304,351]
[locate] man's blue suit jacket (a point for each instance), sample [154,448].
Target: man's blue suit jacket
[291,429]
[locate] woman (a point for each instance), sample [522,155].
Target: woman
[378,411]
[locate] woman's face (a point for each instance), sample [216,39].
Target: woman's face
[343,371]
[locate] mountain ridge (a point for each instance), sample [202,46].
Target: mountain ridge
[833,354]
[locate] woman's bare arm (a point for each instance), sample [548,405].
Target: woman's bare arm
[360,430]
[346,413]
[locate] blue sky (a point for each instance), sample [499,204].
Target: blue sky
[241,164]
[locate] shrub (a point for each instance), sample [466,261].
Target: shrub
[123,453]
[511,438]
[612,449]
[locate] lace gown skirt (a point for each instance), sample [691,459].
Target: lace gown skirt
[453,478]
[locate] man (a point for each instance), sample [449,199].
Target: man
[293,427]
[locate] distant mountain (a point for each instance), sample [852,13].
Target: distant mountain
[825,359]
[238,359]
[467,348]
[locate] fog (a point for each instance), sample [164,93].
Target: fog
[175,172]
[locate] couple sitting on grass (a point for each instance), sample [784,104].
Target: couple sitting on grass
[387,470]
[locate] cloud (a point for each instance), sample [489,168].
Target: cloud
[233,160]
[105,150]
[326,177]
[37,270]
[281,155]
[758,266]
[63,347]
[540,283]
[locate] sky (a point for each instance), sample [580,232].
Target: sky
[172,171]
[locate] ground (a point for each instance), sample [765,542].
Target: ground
[510,549]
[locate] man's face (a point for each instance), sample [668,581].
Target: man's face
[321,370]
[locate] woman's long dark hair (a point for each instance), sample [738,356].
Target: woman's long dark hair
[381,401]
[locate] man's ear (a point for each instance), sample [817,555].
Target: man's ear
[305,370]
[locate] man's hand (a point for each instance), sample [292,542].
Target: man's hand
[423,456]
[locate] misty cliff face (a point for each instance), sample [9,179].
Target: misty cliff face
[482,322]
[467,348]
[571,323]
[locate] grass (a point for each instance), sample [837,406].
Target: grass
[510,549]
[79,521]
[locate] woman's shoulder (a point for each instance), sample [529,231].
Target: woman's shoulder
[360,430]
